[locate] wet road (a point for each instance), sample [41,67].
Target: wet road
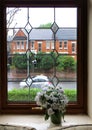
[65,85]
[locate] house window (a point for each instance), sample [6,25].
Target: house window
[47,44]
[52,44]
[65,45]
[24,68]
[32,45]
[60,45]
[73,47]
[18,45]
[22,45]
[39,46]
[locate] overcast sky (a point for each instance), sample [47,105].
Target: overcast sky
[64,17]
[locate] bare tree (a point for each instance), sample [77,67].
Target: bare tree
[10,15]
[11,12]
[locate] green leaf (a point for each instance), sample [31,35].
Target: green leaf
[46,116]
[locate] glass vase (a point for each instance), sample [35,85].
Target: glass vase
[56,119]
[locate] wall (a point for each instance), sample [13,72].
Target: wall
[90,58]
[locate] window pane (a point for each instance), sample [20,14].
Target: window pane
[42,51]
[66,17]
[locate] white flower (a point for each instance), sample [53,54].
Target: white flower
[52,99]
[50,111]
[47,97]
[55,99]
[55,106]
[45,105]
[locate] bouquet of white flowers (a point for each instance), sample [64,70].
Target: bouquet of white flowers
[53,100]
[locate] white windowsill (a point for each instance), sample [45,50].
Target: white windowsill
[39,123]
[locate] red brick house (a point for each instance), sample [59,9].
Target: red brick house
[43,40]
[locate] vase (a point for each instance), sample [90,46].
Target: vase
[56,119]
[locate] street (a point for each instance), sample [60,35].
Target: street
[65,85]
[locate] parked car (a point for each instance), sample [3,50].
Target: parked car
[38,81]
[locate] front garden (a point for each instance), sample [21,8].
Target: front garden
[46,64]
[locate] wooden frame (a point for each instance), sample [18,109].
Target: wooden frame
[74,107]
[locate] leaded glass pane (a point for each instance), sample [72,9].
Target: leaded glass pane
[35,56]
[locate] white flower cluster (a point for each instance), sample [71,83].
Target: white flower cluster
[52,99]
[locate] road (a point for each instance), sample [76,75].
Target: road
[65,85]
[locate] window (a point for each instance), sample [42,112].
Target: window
[73,47]
[52,44]
[24,67]
[39,46]
[65,45]
[22,45]
[32,45]
[60,45]
[47,44]
[18,45]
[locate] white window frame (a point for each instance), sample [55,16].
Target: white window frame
[66,47]
[22,44]
[32,45]
[18,45]
[40,42]
[60,45]
[52,44]
[47,44]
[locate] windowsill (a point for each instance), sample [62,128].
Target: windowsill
[39,123]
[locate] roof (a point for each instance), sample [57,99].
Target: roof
[47,34]
[20,38]
[67,34]
[41,34]
[20,35]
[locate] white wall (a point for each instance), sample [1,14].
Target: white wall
[90,58]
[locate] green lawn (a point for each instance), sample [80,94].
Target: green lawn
[29,95]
